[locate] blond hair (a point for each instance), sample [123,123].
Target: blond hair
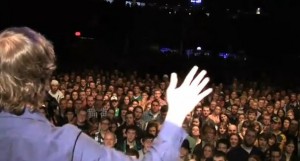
[27,60]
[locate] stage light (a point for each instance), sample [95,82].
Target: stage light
[258,11]
[78,33]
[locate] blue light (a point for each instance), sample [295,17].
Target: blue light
[224,55]
[196,1]
[189,52]
[165,50]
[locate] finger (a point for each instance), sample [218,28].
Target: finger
[204,94]
[202,84]
[190,76]
[198,79]
[173,81]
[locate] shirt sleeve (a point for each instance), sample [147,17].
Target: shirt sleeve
[165,148]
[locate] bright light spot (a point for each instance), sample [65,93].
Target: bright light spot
[77,33]
[196,1]
[206,53]
[258,11]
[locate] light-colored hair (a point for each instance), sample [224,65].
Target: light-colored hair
[27,60]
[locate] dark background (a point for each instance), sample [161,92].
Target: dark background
[130,38]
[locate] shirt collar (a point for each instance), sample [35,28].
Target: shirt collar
[26,115]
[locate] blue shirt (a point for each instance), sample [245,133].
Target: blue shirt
[31,137]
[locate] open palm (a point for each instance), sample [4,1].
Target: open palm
[184,98]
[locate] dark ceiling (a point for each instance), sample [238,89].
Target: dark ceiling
[232,25]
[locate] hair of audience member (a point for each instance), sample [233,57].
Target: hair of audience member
[208,126]
[207,145]
[263,135]
[113,121]
[223,141]
[82,109]
[245,124]
[256,157]
[131,127]
[256,124]
[105,118]
[152,124]
[290,141]
[251,111]
[138,107]
[148,136]
[129,113]
[251,129]
[218,154]
[223,124]
[275,149]
[93,120]
[238,136]
[27,61]
[132,152]
[272,136]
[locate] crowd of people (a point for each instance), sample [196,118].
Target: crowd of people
[100,114]
[125,111]
[103,113]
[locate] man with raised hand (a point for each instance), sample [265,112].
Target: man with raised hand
[27,61]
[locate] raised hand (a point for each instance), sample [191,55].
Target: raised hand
[183,99]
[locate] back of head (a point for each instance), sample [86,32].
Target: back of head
[27,60]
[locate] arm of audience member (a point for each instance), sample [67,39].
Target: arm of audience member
[166,146]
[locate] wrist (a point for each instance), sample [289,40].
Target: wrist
[175,119]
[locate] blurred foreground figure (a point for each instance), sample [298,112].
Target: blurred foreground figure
[27,60]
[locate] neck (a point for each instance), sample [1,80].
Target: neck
[247,146]
[80,123]
[263,149]
[145,150]
[138,119]
[53,92]
[287,154]
[103,131]
[196,138]
[129,124]
[154,113]
[130,142]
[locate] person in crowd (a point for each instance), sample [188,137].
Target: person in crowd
[246,149]
[289,153]
[109,140]
[219,156]
[147,142]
